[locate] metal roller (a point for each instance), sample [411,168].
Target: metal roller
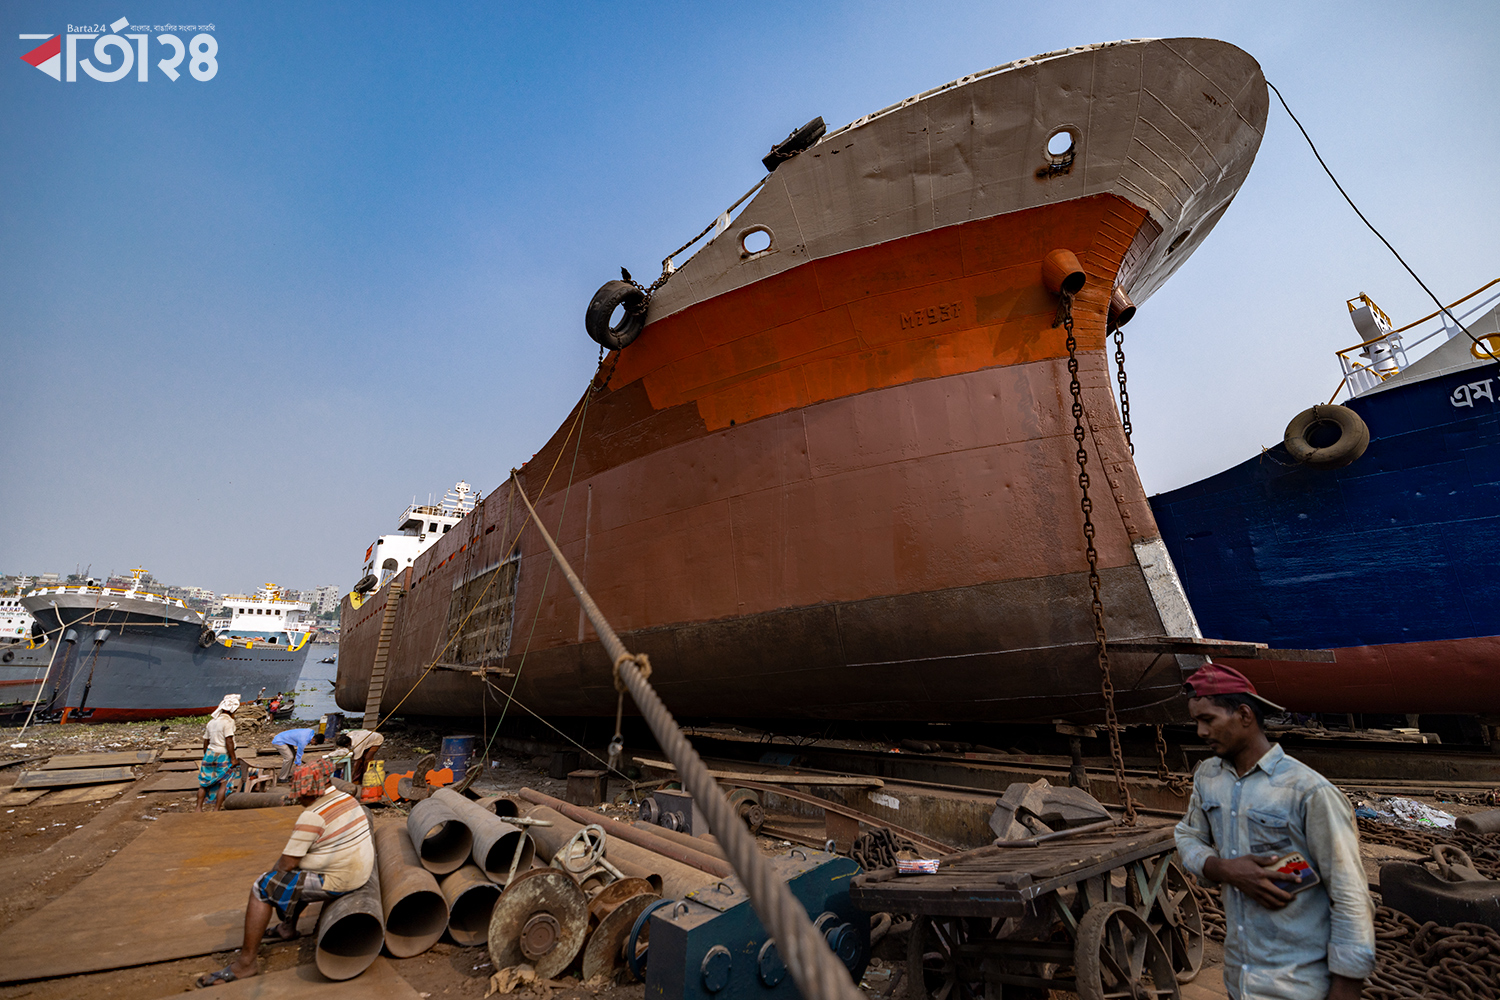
[351,931]
[256,800]
[495,842]
[416,911]
[442,840]
[612,914]
[471,901]
[676,879]
[542,919]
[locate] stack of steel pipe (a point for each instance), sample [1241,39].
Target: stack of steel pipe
[471,899]
[674,878]
[351,930]
[495,842]
[698,856]
[442,840]
[416,911]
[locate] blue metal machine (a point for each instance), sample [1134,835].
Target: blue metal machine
[713,945]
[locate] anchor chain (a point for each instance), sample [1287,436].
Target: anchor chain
[1124,392]
[1178,784]
[1064,319]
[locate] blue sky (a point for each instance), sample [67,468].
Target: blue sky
[245,320]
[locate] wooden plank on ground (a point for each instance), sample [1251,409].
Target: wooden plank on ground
[112,759]
[88,793]
[172,781]
[178,765]
[176,891]
[77,776]
[379,982]
[24,796]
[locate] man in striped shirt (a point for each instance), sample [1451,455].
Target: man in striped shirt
[331,852]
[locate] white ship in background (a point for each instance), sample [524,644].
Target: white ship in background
[268,615]
[23,652]
[419,527]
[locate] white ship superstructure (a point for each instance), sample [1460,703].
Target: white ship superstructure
[419,527]
[268,615]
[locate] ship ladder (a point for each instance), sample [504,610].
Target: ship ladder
[382,653]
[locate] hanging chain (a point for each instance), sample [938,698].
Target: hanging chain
[1106,684]
[1124,392]
[1178,784]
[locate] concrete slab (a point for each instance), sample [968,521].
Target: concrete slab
[178,890]
[379,982]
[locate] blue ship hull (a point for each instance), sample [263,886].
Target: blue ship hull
[1393,561]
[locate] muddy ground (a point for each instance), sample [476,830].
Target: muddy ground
[46,850]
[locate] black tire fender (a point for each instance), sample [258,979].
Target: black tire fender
[610,296]
[366,584]
[1309,438]
[10,654]
[206,637]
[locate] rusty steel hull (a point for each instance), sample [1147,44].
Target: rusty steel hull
[837,479]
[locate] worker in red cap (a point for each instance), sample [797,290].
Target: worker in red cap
[1296,928]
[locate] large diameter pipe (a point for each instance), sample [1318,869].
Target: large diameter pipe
[441,839]
[416,912]
[351,930]
[471,899]
[256,800]
[1480,822]
[495,841]
[690,856]
[676,878]
[706,844]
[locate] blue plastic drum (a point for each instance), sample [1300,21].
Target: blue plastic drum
[456,752]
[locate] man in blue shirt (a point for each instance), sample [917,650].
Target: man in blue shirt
[1252,805]
[291,744]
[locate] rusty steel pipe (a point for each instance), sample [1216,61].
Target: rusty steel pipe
[494,841]
[675,878]
[471,899]
[1480,822]
[442,840]
[256,800]
[416,911]
[690,856]
[705,844]
[351,930]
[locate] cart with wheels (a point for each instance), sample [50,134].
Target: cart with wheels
[1106,913]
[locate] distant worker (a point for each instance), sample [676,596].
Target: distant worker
[219,754]
[362,743]
[290,745]
[1252,805]
[331,852]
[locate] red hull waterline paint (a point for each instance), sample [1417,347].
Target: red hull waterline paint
[1457,677]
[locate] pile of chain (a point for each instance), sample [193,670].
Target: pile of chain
[1210,905]
[1489,798]
[1483,848]
[1425,960]
[880,848]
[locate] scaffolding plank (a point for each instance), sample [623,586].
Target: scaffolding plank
[74,777]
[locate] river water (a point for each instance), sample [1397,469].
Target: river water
[314,687]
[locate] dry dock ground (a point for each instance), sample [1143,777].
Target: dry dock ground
[49,847]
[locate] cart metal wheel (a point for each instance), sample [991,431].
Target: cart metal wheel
[1176,920]
[936,969]
[1117,957]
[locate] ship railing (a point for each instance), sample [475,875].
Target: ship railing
[1360,375]
[107,591]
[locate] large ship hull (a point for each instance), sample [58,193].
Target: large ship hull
[121,660]
[22,667]
[836,478]
[1391,562]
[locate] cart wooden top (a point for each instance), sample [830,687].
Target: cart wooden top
[998,881]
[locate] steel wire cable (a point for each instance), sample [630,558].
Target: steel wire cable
[818,973]
[1441,308]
